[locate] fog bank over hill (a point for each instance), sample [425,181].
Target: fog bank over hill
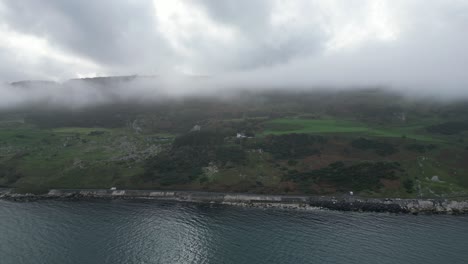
[417,47]
[79,93]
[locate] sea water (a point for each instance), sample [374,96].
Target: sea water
[131,232]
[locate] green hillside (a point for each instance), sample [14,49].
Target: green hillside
[314,143]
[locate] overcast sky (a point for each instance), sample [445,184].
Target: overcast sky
[410,44]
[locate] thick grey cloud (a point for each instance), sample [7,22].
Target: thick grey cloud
[120,35]
[262,43]
[253,16]
[416,46]
[108,31]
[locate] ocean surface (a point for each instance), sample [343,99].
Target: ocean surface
[130,232]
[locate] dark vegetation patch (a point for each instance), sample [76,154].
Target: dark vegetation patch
[184,162]
[9,170]
[409,185]
[86,118]
[199,138]
[356,177]
[96,133]
[19,155]
[31,188]
[421,148]
[293,145]
[380,148]
[229,154]
[9,174]
[283,126]
[449,128]
[177,166]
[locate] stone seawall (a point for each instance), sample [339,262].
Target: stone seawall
[349,203]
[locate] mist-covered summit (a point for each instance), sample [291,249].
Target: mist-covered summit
[84,92]
[96,81]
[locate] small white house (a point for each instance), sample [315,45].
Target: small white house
[435,178]
[351,193]
[241,135]
[195,128]
[113,188]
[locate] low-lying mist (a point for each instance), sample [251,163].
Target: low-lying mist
[91,92]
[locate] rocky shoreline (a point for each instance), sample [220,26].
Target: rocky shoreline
[344,203]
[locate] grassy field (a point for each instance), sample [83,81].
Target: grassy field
[330,126]
[73,157]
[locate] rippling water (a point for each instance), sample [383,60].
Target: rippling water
[154,232]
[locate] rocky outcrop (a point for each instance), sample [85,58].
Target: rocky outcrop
[349,203]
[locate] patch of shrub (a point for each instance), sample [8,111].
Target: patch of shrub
[31,188]
[420,147]
[185,164]
[225,154]
[449,128]
[409,185]
[380,148]
[96,133]
[203,179]
[199,138]
[357,177]
[293,145]
[9,175]
[175,167]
